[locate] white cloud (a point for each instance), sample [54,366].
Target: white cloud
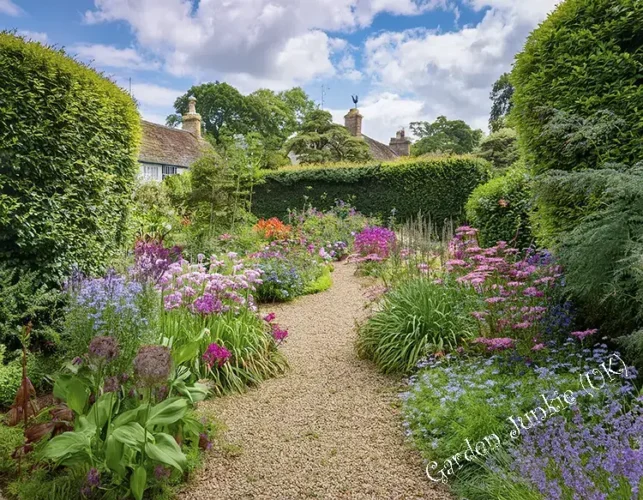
[384,114]
[453,72]
[9,8]
[109,56]
[282,41]
[36,36]
[155,96]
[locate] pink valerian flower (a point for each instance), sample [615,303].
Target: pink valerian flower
[225,237]
[538,347]
[466,230]
[423,268]
[583,334]
[279,334]
[532,291]
[496,344]
[270,317]
[495,300]
[479,315]
[455,263]
[522,326]
[216,355]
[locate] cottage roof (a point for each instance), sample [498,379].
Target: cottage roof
[170,146]
[379,151]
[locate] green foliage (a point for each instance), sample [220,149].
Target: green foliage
[153,214]
[602,253]
[10,439]
[418,318]
[584,58]
[444,136]
[321,141]
[24,299]
[501,97]
[68,141]
[226,112]
[500,148]
[500,209]
[321,284]
[437,186]
[255,357]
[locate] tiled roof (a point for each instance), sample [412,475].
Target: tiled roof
[170,146]
[378,150]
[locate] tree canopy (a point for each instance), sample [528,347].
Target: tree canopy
[321,140]
[445,136]
[225,112]
[501,97]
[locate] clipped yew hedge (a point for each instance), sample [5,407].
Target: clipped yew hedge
[68,148]
[438,187]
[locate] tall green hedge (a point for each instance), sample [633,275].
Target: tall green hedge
[586,57]
[500,209]
[68,147]
[435,186]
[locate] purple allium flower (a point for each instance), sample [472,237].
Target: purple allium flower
[112,384]
[375,240]
[152,365]
[216,355]
[104,347]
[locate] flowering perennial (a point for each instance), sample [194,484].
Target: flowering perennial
[216,355]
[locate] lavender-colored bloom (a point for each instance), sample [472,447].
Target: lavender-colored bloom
[162,473]
[152,365]
[103,347]
[93,477]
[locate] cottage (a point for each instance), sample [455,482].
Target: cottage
[399,145]
[169,151]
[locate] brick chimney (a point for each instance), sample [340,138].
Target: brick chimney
[400,144]
[353,122]
[192,120]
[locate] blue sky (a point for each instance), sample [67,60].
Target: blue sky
[408,60]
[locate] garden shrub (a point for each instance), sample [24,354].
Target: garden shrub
[500,148]
[435,186]
[68,147]
[584,58]
[418,318]
[500,209]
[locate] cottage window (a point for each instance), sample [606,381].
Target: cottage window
[169,170]
[151,172]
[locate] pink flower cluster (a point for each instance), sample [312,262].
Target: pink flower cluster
[278,333]
[375,242]
[216,355]
[209,289]
[583,334]
[513,289]
[496,344]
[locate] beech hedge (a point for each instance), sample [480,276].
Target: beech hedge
[437,186]
[68,161]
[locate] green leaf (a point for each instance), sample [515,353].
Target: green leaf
[186,353]
[167,451]
[77,395]
[131,434]
[114,454]
[99,413]
[128,416]
[137,482]
[167,412]
[67,445]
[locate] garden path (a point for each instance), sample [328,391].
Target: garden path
[330,428]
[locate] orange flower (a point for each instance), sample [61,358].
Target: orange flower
[272,229]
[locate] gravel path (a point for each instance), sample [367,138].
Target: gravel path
[330,428]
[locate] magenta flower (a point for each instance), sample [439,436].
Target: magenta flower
[216,355]
[278,333]
[583,334]
[270,317]
[375,240]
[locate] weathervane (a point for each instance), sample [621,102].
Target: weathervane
[355,99]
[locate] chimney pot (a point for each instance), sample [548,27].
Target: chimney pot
[192,120]
[353,122]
